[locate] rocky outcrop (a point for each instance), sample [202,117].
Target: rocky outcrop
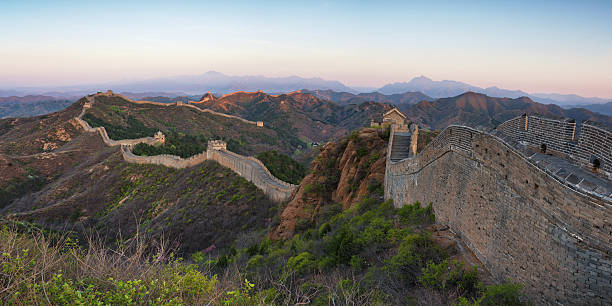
[343,172]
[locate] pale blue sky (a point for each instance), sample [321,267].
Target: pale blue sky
[548,46]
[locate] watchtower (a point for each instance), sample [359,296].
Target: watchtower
[217,145]
[159,137]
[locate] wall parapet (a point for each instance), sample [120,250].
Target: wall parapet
[534,218]
[588,144]
[254,171]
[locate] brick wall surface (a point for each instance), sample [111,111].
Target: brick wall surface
[520,221]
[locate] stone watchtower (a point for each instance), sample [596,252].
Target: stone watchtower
[217,145]
[159,137]
[394,116]
[404,140]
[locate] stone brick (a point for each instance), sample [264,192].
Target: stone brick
[522,221]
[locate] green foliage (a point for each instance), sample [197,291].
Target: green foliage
[314,189]
[134,128]
[493,295]
[450,276]
[302,263]
[376,232]
[342,245]
[283,166]
[38,270]
[175,144]
[414,252]
[17,187]
[414,213]
[242,295]
[376,188]
[116,109]
[255,262]
[324,229]
[504,294]
[358,263]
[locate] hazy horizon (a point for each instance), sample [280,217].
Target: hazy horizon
[547,47]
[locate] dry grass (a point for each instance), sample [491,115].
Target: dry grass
[33,266]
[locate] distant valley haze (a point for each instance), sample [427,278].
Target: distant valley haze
[220,83]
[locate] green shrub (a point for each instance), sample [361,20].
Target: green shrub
[134,128]
[357,263]
[282,166]
[413,253]
[415,214]
[17,187]
[314,189]
[324,229]
[504,294]
[302,263]
[342,245]
[255,262]
[175,144]
[447,276]
[375,233]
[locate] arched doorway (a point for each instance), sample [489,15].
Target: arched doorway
[543,148]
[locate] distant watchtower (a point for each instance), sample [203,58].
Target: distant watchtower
[217,145]
[159,137]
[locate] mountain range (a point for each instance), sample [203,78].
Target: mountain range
[303,114]
[220,83]
[446,88]
[31,105]
[344,98]
[479,110]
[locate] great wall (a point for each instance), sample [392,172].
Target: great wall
[525,199]
[531,199]
[248,167]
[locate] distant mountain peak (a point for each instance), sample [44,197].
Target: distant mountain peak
[421,78]
[208,97]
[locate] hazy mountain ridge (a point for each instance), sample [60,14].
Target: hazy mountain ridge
[447,88]
[189,84]
[479,110]
[344,98]
[220,83]
[605,108]
[32,105]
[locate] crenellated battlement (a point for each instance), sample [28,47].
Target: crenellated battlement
[588,144]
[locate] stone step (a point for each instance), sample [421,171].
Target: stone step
[400,148]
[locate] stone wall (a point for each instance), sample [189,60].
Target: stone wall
[248,167]
[206,110]
[523,218]
[595,142]
[254,171]
[171,161]
[582,144]
[102,131]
